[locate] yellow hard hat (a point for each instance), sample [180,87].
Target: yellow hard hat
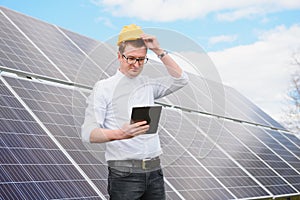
[130,32]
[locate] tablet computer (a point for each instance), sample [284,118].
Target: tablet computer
[151,114]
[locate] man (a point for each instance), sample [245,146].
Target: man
[132,156]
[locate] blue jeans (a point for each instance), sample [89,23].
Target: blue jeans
[126,185]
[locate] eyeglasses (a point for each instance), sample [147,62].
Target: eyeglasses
[132,60]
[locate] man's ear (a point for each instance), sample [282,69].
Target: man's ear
[119,56]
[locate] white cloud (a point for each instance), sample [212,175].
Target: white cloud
[262,70]
[222,38]
[250,12]
[171,10]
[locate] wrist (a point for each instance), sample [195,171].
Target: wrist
[115,135]
[162,54]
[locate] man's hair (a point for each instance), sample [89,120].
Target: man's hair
[135,43]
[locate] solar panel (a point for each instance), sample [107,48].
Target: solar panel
[213,98]
[58,49]
[87,45]
[19,54]
[295,140]
[32,166]
[286,147]
[207,152]
[288,144]
[288,166]
[198,97]
[186,175]
[235,140]
[262,157]
[248,109]
[61,110]
[101,53]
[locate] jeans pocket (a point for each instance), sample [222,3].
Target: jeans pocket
[114,173]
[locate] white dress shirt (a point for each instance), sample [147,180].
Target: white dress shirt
[110,105]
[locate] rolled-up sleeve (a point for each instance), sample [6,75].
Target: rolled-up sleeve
[94,113]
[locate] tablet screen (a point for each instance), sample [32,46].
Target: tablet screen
[151,114]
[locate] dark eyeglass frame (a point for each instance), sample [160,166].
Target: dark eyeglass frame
[141,61]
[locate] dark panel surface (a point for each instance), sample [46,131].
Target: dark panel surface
[58,48]
[204,151]
[61,110]
[17,53]
[31,164]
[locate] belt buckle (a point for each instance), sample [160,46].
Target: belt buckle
[144,163]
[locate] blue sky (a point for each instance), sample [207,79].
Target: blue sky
[250,42]
[96,20]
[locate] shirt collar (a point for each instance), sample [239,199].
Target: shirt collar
[119,74]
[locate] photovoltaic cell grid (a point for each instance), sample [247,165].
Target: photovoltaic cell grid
[32,166]
[261,162]
[61,110]
[209,97]
[250,112]
[204,150]
[18,53]
[290,167]
[87,45]
[58,48]
[194,100]
[289,144]
[171,194]
[295,141]
[102,54]
[186,175]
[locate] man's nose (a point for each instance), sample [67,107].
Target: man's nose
[137,64]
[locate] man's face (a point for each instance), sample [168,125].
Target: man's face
[130,54]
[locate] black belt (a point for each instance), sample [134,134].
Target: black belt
[145,164]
